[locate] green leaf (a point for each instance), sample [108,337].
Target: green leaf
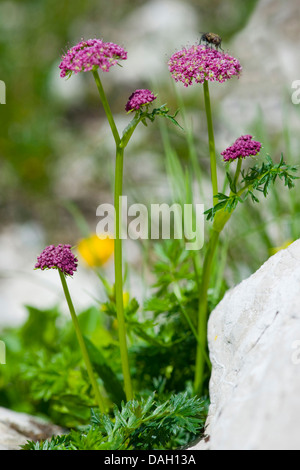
[257,178]
[231,183]
[227,203]
[111,383]
[129,130]
[162,111]
[141,424]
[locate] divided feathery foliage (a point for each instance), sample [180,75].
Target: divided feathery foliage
[257,178]
[261,178]
[140,425]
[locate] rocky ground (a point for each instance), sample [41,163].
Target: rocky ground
[254,342]
[17,428]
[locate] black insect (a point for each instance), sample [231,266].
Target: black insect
[213,39]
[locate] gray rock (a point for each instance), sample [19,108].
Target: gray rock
[17,428]
[268,50]
[254,342]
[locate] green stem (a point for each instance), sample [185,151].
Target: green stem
[203,312]
[237,173]
[119,275]
[220,221]
[106,107]
[178,295]
[120,145]
[208,260]
[211,140]
[82,343]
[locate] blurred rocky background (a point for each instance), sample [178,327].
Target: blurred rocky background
[56,150]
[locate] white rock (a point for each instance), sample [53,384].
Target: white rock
[267,49]
[17,428]
[153,31]
[254,342]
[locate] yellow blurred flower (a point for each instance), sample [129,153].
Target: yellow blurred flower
[282,247]
[125,299]
[94,251]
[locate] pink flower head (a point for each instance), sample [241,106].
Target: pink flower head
[57,257]
[243,147]
[201,63]
[89,55]
[138,99]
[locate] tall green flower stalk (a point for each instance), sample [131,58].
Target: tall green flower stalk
[211,141]
[209,256]
[221,213]
[201,64]
[92,55]
[219,223]
[242,186]
[137,102]
[86,56]
[81,343]
[118,258]
[61,258]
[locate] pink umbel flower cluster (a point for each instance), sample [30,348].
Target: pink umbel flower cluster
[138,99]
[199,63]
[243,147]
[91,54]
[57,257]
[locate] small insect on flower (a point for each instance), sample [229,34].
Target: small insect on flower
[213,39]
[200,63]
